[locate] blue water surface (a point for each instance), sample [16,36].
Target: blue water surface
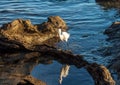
[50,74]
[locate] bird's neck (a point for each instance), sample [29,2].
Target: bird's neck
[59,31]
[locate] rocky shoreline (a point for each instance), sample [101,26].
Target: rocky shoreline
[23,45]
[113,33]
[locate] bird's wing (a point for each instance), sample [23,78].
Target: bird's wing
[66,35]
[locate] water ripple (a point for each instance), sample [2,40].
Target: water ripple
[85,18]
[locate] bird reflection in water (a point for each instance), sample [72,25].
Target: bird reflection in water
[64,72]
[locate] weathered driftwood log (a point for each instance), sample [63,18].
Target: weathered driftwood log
[100,74]
[21,34]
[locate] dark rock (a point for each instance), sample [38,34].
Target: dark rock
[115,66]
[113,33]
[107,4]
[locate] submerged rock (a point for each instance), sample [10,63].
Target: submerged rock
[21,34]
[113,31]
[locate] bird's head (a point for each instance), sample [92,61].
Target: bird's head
[59,29]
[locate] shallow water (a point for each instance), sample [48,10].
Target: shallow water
[86,20]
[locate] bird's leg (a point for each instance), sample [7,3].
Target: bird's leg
[63,45]
[67,46]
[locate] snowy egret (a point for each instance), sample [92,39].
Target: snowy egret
[63,35]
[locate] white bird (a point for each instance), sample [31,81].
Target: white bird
[63,35]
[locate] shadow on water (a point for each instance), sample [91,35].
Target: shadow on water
[14,67]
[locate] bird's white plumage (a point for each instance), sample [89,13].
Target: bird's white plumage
[64,36]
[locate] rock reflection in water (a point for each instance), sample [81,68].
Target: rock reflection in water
[70,75]
[15,69]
